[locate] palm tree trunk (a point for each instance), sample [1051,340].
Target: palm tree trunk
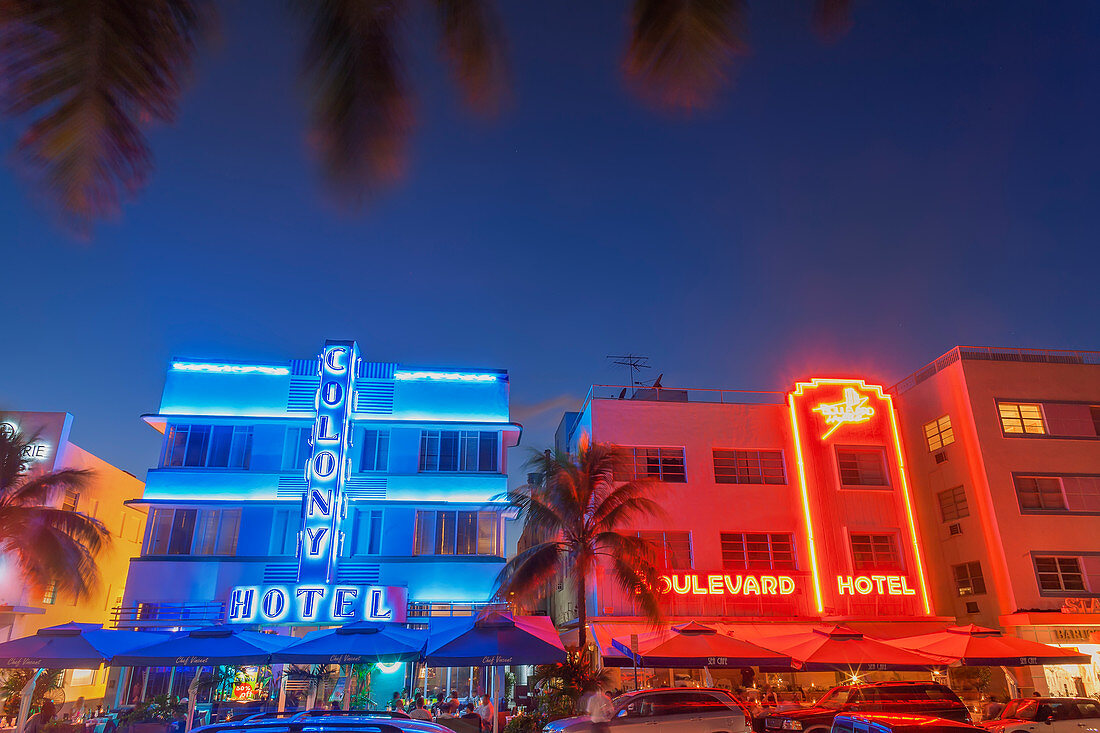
[582,612]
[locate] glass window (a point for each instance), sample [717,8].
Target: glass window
[672,549]
[367,532]
[228,528]
[296,448]
[217,446]
[160,530]
[49,597]
[757,551]
[284,532]
[1039,493]
[1019,418]
[71,500]
[1060,574]
[968,579]
[939,433]
[749,467]
[183,531]
[458,450]
[457,533]
[953,504]
[193,532]
[875,552]
[659,464]
[862,467]
[376,450]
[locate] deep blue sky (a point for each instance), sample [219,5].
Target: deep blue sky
[933,178]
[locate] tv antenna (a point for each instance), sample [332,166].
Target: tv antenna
[634,362]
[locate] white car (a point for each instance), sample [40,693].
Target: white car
[673,709]
[1047,715]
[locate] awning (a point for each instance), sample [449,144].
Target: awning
[696,645]
[976,646]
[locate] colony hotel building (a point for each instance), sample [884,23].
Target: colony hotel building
[323,490]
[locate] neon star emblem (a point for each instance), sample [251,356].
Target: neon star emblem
[852,409]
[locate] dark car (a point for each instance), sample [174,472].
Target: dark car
[898,723]
[922,698]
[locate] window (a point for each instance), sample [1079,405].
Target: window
[1094,412]
[659,464]
[457,533]
[939,433]
[862,467]
[875,552]
[748,467]
[968,579]
[284,532]
[208,446]
[193,532]
[1060,574]
[71,500]
[953,504]
[672,549]
[376,450]
[1038,493]
[49,597]
[1018,418]
[757,551]
[296,448]
[366,536]
[458,450]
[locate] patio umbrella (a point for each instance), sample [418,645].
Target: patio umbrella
[698,645]
[72,646]
[363,642]
[212,645]
[491,639]
[826,648]
[977,646]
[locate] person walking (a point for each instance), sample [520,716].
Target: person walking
[600,710]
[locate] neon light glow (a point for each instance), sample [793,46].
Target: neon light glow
[407,376]
[878,585]
[806,515]
[853,409]
[188,366]
[387,668]
[726,585]
[315,604]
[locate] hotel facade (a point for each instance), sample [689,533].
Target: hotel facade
[318,491]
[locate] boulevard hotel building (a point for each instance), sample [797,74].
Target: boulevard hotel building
[967,493]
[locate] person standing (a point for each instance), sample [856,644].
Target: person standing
[39,721]
[600,710]
[486,712]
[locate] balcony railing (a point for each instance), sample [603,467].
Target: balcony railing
[167,615]
[995,353]
[682,394]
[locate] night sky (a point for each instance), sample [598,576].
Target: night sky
[857,207]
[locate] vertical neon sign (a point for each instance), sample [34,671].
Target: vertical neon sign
[323,504]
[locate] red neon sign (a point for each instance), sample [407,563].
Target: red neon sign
[726,585]
[877,585]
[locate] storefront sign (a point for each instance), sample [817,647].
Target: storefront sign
[874,585]
[1078,635]
[852,409]
[726,585]
[1081,605]
[316,604]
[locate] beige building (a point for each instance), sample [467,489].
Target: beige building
[1004,455]
[23,609]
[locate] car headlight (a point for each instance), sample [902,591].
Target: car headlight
[792,724]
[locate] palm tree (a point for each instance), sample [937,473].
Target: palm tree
[580,516]
[52,547]
[88,76]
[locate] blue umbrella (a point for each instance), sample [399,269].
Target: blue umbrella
[364,642]
[493,638]
[72,646]
[212,645]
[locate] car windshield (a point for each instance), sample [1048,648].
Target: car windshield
[1020,710]
[835,698]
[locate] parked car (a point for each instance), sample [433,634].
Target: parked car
[672,709]
[1047,715]
[898,723]
[922,698]
[323,721]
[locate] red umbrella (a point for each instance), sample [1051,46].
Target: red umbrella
[839,647]
[698,645]
[977,646]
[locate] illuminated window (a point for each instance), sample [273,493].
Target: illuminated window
[366,535]
[457,533]
[1039,493]
[1060,574]
[757,551]
[672,549]
[1018,418]
[375,455]
[458,450]
[748,467]
[875,552]
[296,448]
[968,579]
[193,532]
[208,446]
[50,596]
[71,500]
[939,433]
[659,464]
[953,504]
[862,467]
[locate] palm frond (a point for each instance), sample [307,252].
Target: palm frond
[87,76]
[680,51]
[43,488]
[474,46]
[526,575]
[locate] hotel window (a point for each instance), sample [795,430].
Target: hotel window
[1039,493]
[672,549]
[1060,574]
[193,532]
[71,500]
[875,552]
[375,455]
[939,433]
[953,504]
[49,597]
[296,448]
[1019,418]
[862,467]
[757,551]
[457,533]
[748,467]
[366,535]
[968,579]
[659,464]
[458,450]
[208,446]
[284,532]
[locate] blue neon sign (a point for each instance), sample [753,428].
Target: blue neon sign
[408,376]
[189,366]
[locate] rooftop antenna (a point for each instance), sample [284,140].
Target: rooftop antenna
[634,362]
